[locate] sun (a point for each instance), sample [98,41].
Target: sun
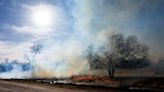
[42,15]
[43,18]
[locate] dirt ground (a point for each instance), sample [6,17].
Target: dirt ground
[14,86]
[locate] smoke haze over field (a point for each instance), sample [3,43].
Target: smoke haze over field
[76,25]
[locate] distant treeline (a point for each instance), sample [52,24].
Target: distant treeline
[9,66]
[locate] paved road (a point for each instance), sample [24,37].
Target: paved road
[13,86]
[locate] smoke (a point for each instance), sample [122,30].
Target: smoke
[63,60]
[142,18]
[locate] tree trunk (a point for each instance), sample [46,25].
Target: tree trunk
[111,73]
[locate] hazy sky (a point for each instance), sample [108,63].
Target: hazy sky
[66,27]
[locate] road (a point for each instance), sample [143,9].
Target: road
[14,86]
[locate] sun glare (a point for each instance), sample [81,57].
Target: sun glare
[42,16]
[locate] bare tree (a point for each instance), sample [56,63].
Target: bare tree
[103,60]
[36,48]
[118,52]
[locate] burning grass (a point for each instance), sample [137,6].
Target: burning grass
[99,80]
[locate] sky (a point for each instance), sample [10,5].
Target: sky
[65,28]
